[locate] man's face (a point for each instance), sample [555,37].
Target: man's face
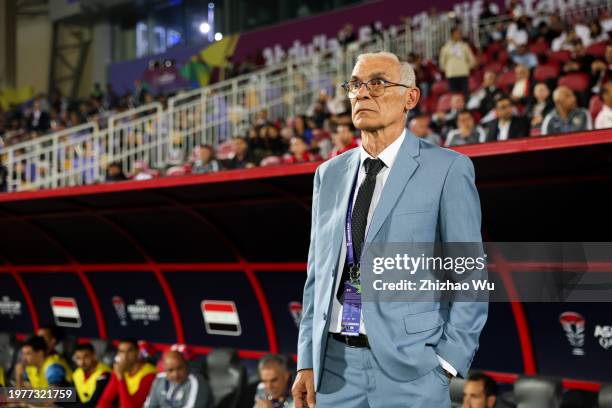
[374,113]
[457,102]
[32,357]
[85,359]
[128,353]
[541,92]
[503,109]
[344,134]
[565,100]
[474,396]
[49,338]
[489,78]
[420,126]
[465,121]
[240,146]
[521,72]
[274,379]
[297,146]
[176,369]
[607,94]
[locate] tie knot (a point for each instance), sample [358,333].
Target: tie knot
[373,166]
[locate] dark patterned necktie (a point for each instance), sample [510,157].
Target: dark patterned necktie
[359,217]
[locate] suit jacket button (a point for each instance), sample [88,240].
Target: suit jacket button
[324,316]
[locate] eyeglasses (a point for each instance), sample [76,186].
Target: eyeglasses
[375,86]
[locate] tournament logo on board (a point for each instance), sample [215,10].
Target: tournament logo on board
[295,309]
[221,317]
[65,312]
[141,310]
[9,307]
[573,323]
[119,306]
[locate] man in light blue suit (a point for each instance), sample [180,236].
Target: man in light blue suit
[394,188]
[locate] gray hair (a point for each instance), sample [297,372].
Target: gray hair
[270,359]
[407,76]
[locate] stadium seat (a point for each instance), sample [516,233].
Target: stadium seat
[545,72]
[495,66]
[537,392]
[605,396]
[595,105]
[439,88]
[227,377]
[456,392]
[597,49]
[475,82]
[579,399]
[540,47]
[560,56]
[577,82]
[506,80]
[444,102]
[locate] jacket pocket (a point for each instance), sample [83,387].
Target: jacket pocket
[420,322]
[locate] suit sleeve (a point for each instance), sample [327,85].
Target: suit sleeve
[305,335]
[460,219]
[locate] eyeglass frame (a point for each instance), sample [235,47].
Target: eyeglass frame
[386,84]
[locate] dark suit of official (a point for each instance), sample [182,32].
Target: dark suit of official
[519,127]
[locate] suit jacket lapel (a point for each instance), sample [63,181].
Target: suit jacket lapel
[345,176]
[402,170]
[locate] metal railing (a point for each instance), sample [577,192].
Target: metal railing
[210,115]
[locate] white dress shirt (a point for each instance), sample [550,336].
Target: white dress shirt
[388,157]
[504,129]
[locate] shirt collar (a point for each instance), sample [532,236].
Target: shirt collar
[388,155]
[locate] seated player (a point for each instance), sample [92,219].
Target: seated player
[42,369]
[176,387]
[131,379]
[91,376]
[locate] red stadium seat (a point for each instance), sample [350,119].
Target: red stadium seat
[444,102]
[506,80]
[597,49]
[540,47]
[475,83]
[577,82]
[439,88]
[544,72]
[496,67]
[560,56]
[502,56]
[595,105]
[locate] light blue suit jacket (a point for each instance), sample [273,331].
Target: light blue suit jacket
[429,196]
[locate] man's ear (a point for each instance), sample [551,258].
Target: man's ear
[412,98]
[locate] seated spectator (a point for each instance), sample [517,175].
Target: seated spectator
[175,387]
[456,61]
[321,143]
[604,118]
[507,125]
[242,158]
[301,129]
[38,120]
[205,161]
[91,376]
[419,126]
[142,171]
[131,379]
[565,41]
[567,116]
[343,140]
[483,99]
[479,391]
[274,389]
[539,106]
[300,152]
[521,90]
[114,172]
[516,34]
[442,122]
[601,71]
[596,33]
[580,60]
[466,132]
[3,177]
[42,369]
[523,56]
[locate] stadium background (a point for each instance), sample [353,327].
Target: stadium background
[143,258]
